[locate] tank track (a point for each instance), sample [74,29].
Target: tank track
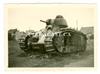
[22,45]
[50,49]
[53,50]
[63,54]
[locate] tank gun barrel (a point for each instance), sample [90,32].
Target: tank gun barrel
[43,21]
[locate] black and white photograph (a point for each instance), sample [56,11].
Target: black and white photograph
[50,35]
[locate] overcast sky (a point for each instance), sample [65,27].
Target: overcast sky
[24,16]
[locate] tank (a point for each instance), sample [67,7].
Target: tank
[56,38]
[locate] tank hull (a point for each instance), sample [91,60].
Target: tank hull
[67,41]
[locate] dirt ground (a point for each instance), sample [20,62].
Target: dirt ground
[18,58]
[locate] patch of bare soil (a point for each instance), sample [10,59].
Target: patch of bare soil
[18,58]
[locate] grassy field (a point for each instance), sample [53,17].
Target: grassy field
[18,58]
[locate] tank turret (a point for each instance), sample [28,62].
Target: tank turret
[60,21]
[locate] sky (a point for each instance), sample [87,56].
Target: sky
[25,17]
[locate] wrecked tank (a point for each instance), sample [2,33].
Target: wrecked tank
[56,38]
